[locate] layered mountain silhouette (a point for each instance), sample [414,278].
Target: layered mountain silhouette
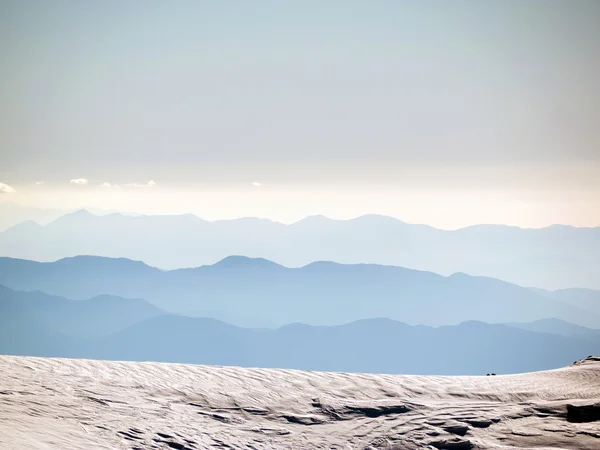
[587,299]
[99,316]
[36,324]
[554,257]
[12,214]
[321,293]
[560,327]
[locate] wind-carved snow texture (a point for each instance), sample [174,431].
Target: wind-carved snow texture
[62,403]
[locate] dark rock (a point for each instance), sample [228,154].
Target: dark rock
[377,411]
[583,413]
[479,423]
[255,410]
[164,435]
[304,420]
[172,444]
[129,436]
[347,412]
[452,444]
[461,430]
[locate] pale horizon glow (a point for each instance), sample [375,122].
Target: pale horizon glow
[445,114]
[439,208]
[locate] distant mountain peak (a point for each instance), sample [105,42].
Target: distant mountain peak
[248,219]
[316,219]
[379,217]
[103,261]
[366,219]
[82,213]
[112,214]
[238,261]
[26,226]
[79,215]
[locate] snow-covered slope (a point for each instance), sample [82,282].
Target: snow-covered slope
[62,403]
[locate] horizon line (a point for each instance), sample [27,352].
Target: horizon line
[134,215]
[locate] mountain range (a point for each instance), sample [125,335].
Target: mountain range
[110,328]
[12,214]
[241,289]
[555,257]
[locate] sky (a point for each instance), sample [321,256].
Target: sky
[446,113]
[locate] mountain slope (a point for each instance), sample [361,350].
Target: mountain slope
[97,317]
[560,327]
[374,346]
[129,405]
[320,294]
[12,214]
[587,299]
[36,324]
[553,257]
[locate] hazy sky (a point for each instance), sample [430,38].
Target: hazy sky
[447,113]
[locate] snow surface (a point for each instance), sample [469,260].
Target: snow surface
[84,404]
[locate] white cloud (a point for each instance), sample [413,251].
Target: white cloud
[38,183]
[107,185]
[6,189]
[150,183]
[79,181]
[256,183]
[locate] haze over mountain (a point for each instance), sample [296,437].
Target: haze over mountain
[12,214]
[587,299]
[36,324]
[552,258]
[96,317]
[321,293]
[560,327]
